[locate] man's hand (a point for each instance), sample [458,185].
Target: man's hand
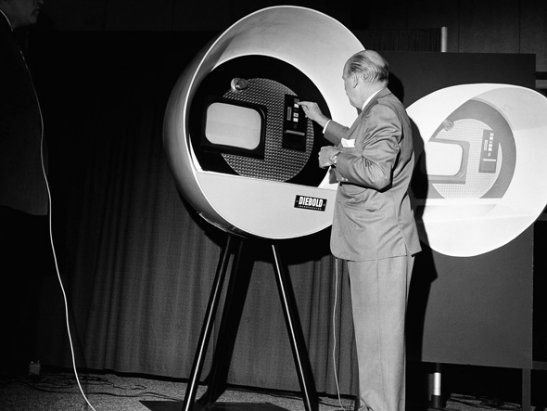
[313,112]
[327,155]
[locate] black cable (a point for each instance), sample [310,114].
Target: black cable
[36,386]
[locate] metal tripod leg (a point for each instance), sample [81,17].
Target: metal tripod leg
[207,326]
[233,309]
[298,345]
[238,286]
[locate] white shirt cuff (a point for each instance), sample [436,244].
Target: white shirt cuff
[326,125]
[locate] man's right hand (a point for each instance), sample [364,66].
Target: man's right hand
[313,112]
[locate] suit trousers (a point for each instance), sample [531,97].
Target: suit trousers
[26,264]
[379,290]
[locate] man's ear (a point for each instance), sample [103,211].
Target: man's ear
[354,80]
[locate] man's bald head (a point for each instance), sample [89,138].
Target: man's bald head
[369,65]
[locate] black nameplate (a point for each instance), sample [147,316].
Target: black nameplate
[310,203]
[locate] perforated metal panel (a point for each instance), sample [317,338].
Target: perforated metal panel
[278,164]
[499,190]
[268,82]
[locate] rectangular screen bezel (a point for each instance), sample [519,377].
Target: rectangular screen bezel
[257,152]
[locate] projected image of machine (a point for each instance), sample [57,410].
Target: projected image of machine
[471,155]
[482,159]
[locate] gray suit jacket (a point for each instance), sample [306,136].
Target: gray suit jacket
[373,218]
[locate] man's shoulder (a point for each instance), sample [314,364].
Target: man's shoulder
[383,107]
[389,99]
[386,109]
[385,99]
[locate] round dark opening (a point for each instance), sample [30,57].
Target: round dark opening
[267,84]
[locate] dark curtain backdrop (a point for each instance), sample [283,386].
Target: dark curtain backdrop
[136,260]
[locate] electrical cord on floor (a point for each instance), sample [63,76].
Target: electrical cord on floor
[50,227]
[66,385]
[67,381]
[111,394]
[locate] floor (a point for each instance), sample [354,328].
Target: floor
[59,391]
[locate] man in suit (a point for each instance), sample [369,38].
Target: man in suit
[22,184]
[373,228]
[23,194]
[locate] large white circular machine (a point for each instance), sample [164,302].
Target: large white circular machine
[484,150]
[241,150]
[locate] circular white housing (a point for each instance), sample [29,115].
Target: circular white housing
[484,157]
[311,42]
